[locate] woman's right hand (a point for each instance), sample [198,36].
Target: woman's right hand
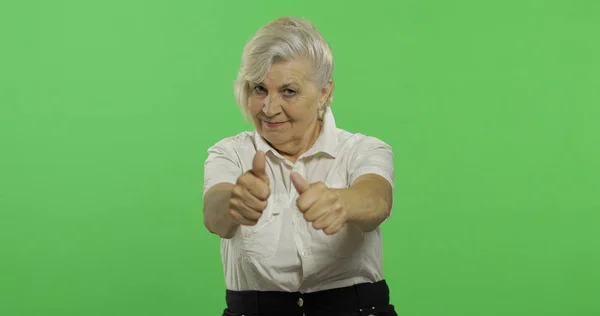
[249,195]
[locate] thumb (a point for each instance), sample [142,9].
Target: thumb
[259,166]
[299,182]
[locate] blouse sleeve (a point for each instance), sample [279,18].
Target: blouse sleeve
[221,166]
[372,156]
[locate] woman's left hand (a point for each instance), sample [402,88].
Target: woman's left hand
[320,205]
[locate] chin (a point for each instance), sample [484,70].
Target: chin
[273,139]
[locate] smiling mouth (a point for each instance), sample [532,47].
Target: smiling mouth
[273,124]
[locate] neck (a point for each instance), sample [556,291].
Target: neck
[294,150]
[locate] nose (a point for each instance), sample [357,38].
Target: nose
[271,106]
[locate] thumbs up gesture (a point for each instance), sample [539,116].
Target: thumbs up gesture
[249,195]
[320,205]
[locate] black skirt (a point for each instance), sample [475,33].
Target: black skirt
[365,299]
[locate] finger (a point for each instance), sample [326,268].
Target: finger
[334,227]
[307,200]
[324,212]
[255,186]
[259,189]
[299,182]
[317,194]
[325,220]
[238,218]
[314,212]
[246,211]
[253,202]
[259,165]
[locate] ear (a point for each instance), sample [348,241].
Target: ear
[325,92]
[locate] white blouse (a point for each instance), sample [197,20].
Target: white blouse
[283,252]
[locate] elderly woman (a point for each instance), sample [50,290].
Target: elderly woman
[297,202]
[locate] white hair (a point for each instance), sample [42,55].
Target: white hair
[282,40]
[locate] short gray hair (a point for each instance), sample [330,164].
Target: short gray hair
[283,39]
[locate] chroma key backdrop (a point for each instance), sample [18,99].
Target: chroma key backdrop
[492,109]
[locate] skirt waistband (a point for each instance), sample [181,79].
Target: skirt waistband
[352,298]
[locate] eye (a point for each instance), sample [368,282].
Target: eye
[259,89]
[289,92]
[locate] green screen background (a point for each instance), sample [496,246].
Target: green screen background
[492,108]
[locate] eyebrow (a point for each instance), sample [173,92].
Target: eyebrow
[284,86]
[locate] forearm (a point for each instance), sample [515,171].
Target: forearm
[367,202]
[216,211]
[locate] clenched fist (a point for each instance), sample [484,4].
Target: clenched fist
[320,205]
[249,195]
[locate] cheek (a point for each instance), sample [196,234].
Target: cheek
[302,114]
[255,105]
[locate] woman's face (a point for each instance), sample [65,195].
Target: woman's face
[284,106]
